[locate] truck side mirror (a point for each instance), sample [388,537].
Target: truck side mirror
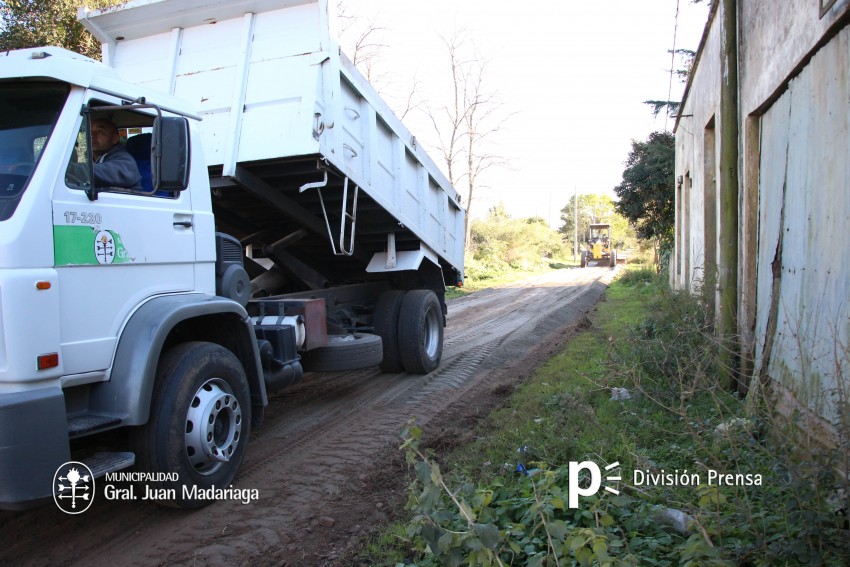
[170,165]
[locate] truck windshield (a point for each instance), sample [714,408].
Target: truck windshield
[28,113]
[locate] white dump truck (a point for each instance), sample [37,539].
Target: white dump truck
[286,222]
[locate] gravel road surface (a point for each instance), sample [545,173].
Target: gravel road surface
[310,463]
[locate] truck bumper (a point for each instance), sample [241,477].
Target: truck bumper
[33,443]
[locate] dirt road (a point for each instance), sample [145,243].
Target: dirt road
[317,448]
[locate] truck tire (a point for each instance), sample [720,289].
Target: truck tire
[420,331]
[385,322]
[583,259]
[344,352]
[199,424]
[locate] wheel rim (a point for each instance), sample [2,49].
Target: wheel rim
[432,333]
[213,426]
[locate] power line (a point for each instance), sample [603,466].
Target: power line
[672,63]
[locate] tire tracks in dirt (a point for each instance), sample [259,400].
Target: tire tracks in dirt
[317,440]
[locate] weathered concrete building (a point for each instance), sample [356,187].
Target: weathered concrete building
[763,196]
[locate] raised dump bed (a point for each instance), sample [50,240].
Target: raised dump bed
[304,156]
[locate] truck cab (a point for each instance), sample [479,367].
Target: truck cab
[86,270]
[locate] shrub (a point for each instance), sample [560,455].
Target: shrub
[638,276]
[500,243]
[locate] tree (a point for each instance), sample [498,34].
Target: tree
[646,194]
[35,23]
[362,39]
[467,122]
[683,72]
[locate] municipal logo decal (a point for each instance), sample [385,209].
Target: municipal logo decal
[104,247]
[73,487]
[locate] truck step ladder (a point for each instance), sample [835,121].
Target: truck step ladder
[88,423]
[102,463]
[347,220]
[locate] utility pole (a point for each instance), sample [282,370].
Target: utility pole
[575,222]
[728,262]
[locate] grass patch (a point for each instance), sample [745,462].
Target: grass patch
[638,275]
[503,499]
[499,279]
[389,546]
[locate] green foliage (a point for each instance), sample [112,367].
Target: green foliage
[481,512]
[793,516]
[686,63]
[525,520]
[500,244]
[595,208]
[674,345]
[671,106]
[637,276]
[686,60]
[387,547]
[35,23]
[646,195]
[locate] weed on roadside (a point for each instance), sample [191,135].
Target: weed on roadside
[776,497]
[703,481]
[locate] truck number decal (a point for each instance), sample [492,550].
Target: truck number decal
[72,217]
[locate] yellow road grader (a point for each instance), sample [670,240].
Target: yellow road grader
[598,248]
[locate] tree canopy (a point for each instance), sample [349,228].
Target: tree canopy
[686,62]
[646,195]
[35,23]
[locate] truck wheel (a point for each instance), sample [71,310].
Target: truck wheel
[583,259]
[344,352]
[385,321]
[613,258]
[420,331]
[199,424]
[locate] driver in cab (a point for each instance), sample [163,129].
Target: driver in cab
[113,165]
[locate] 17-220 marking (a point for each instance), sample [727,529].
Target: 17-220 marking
[72,217]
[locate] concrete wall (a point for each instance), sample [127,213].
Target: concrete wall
[776,38]
[794,197]
[694,182]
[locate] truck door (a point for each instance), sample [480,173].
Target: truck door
[118,248]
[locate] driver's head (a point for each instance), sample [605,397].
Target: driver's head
[104,135]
